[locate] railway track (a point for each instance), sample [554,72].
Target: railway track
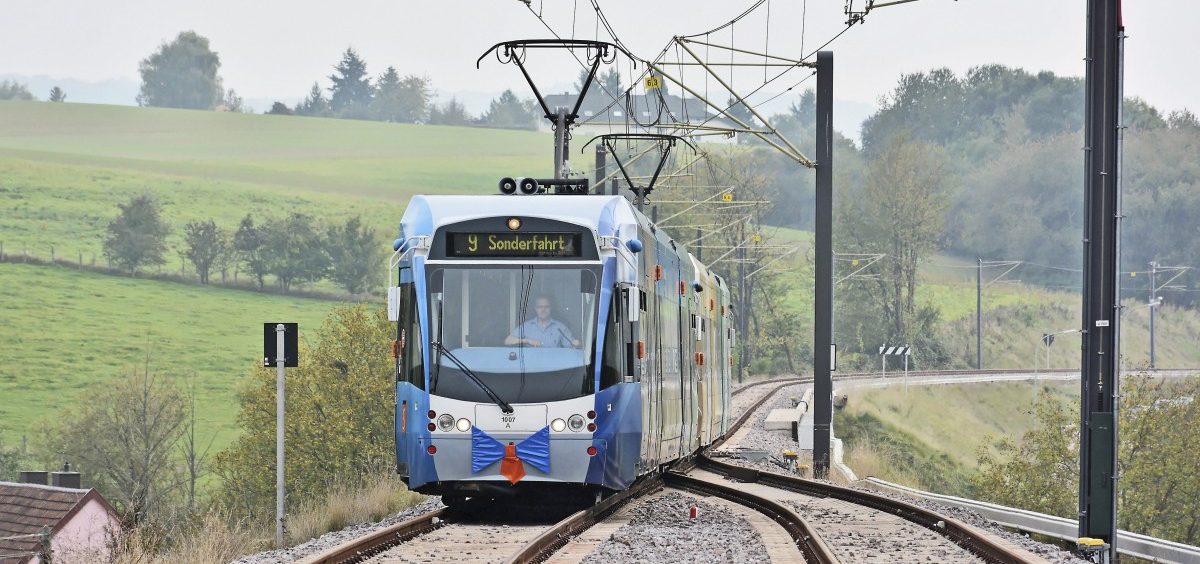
[428,537]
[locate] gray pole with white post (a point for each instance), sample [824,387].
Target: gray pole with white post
[1153,306]
[279,492]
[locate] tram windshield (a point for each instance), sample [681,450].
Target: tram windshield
[527,332]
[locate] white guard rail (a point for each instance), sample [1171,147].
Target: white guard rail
[1132,544]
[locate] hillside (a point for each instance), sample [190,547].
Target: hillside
[64,168]
[64,330]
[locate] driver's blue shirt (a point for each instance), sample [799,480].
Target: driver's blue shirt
[555,334]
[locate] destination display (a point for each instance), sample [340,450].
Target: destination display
[500,244]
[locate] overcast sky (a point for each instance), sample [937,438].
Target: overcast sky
[276,49]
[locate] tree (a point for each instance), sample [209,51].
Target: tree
[611,79]
[232,102]
[404,100]
[508,111]
[138,235]
[11,461]
[1041,473]
[250,244]
[205,243]
[899,213]
[353,255]
[279,109]
[340,415]
[1159,470]
[12,90]
[182,74]
[57,95]
[452,113]
[315,104]
[350,95]
[415,97]
[123,437]
[294,251]
[593,91]
[739,110]
[387,103]
[1157,462]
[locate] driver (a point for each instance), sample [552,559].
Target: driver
[542,331]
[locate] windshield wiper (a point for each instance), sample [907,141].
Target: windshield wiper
[504,406]
[437,360]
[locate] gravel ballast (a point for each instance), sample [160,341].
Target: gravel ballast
[775,442]
[334,538]
[660,530]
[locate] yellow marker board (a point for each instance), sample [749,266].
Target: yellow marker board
[653,82]
[756,238]
[727,197]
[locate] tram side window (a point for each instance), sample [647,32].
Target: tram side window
[412,366]
[610,368]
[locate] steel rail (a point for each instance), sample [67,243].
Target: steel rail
[810,544]
[366,546]
[968,537]
[545,544]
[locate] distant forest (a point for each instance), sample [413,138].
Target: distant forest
[1011,146]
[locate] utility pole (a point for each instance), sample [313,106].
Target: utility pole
[743,310]
[979,314]
[699,248]
[1100,382]
[279,349]
[601,167]
[280,360]
[1153,306]
[823,347]
[560,144]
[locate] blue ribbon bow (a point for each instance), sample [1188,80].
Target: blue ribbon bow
[534,450]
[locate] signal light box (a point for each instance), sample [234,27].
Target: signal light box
[291,341]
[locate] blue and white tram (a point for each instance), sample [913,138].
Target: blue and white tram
[630,372]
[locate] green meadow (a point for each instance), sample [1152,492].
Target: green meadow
[63,330]
[65,167]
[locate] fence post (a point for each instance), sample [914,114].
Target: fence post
[80,260]
[51,255]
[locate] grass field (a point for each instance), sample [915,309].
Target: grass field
[65,167]
[64,330]
[958,419]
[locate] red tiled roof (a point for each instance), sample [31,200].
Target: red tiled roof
[28,509]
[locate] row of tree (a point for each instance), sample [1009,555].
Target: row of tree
[401,99]
[294,249]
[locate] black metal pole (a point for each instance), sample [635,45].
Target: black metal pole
[979,315]
[601,168]
[1101,265]
[823,291]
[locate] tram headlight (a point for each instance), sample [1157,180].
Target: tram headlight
[464,424]
[575,423]
[446,422]
[558,425]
